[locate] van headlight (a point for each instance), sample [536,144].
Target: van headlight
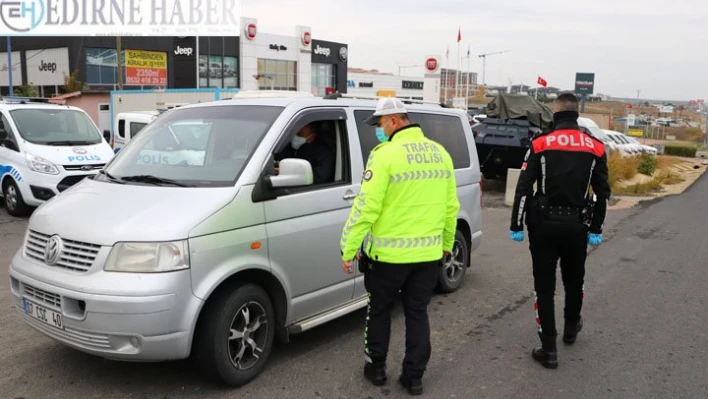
[41,165]
[143,257]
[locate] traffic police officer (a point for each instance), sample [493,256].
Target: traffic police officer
[564,164]
[404,218]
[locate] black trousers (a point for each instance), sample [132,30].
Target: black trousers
[416,283]
[549,242]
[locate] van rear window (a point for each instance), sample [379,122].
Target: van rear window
[444,129]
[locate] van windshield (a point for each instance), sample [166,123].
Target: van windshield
[197,147]
[56,126]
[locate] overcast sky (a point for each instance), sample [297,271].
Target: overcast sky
[657,46]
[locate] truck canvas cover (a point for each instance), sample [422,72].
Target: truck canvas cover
[520,106]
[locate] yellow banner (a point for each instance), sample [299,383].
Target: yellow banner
[636,132]
[145,59]
[386,93]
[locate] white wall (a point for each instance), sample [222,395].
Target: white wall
[16,70]
[259,48]
[383,82]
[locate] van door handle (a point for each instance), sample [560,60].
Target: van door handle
[349,196]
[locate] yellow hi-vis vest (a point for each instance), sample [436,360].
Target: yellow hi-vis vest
[407,207]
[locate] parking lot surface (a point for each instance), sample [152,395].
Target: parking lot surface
[644,334]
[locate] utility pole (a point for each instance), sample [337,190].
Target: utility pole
[9,66]
[119,60]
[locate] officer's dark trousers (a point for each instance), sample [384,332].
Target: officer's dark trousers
[550,241]
[416,283]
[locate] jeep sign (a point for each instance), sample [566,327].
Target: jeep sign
[186,51]
[325,51]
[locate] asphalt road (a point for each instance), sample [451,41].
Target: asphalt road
[644,336]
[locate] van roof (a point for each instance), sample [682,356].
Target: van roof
[12,103]
[139,113]
[306,102]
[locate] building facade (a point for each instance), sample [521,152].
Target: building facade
[373,83]
[251,61]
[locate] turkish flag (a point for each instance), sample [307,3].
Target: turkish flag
[459,35]
[542,82]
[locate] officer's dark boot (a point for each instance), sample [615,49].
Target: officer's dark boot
[571,331]
[375,372]
[413,385]
[546,354]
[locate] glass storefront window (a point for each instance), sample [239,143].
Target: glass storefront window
[323,76]
[102,66]
[277,74]
[217,71]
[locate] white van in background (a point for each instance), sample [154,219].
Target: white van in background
[128,124]
[45,148]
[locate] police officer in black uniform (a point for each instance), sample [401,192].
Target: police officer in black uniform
[561,218]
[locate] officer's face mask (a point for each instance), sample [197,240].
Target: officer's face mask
[381,133]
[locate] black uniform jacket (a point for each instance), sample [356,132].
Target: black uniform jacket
[564,164]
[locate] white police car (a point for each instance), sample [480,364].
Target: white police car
[45,148]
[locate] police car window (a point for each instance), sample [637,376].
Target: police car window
[55,126]
[203,147]
[447,130]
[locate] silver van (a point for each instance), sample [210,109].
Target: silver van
[194,247]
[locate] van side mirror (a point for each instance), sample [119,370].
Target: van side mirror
[293,173]
[107,136]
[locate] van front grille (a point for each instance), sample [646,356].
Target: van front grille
[75,255]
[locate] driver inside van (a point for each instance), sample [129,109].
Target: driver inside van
[307,146]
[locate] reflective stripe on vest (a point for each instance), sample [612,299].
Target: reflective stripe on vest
[420,242]
[420,175]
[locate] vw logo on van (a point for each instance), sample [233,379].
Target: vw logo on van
[52,253]
[79,150]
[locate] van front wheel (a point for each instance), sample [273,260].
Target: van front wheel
[452,272]
[14,203]
[235,335]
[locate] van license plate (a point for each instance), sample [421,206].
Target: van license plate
[43,314]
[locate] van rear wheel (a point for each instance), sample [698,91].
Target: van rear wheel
[235,335]
[452,273]
[14,203]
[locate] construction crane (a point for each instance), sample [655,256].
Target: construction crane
[484,64]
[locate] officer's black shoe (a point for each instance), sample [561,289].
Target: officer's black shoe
[413,385]
[546,354]
[376,373]
[571,331]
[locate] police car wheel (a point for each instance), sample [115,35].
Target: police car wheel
[235,335]
[452,272]
[13,201]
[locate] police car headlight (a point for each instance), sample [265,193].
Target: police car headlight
[141,257]
[41,165]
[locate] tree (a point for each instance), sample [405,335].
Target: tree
[72,82]
[26,91]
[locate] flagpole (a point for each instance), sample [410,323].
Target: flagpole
[467,78]
[447,72]
[457,73]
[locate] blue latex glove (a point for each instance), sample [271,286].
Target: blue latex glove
[594,239]
[516,235]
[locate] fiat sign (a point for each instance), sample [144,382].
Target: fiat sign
[251,31]
[306,38]
[431,64]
